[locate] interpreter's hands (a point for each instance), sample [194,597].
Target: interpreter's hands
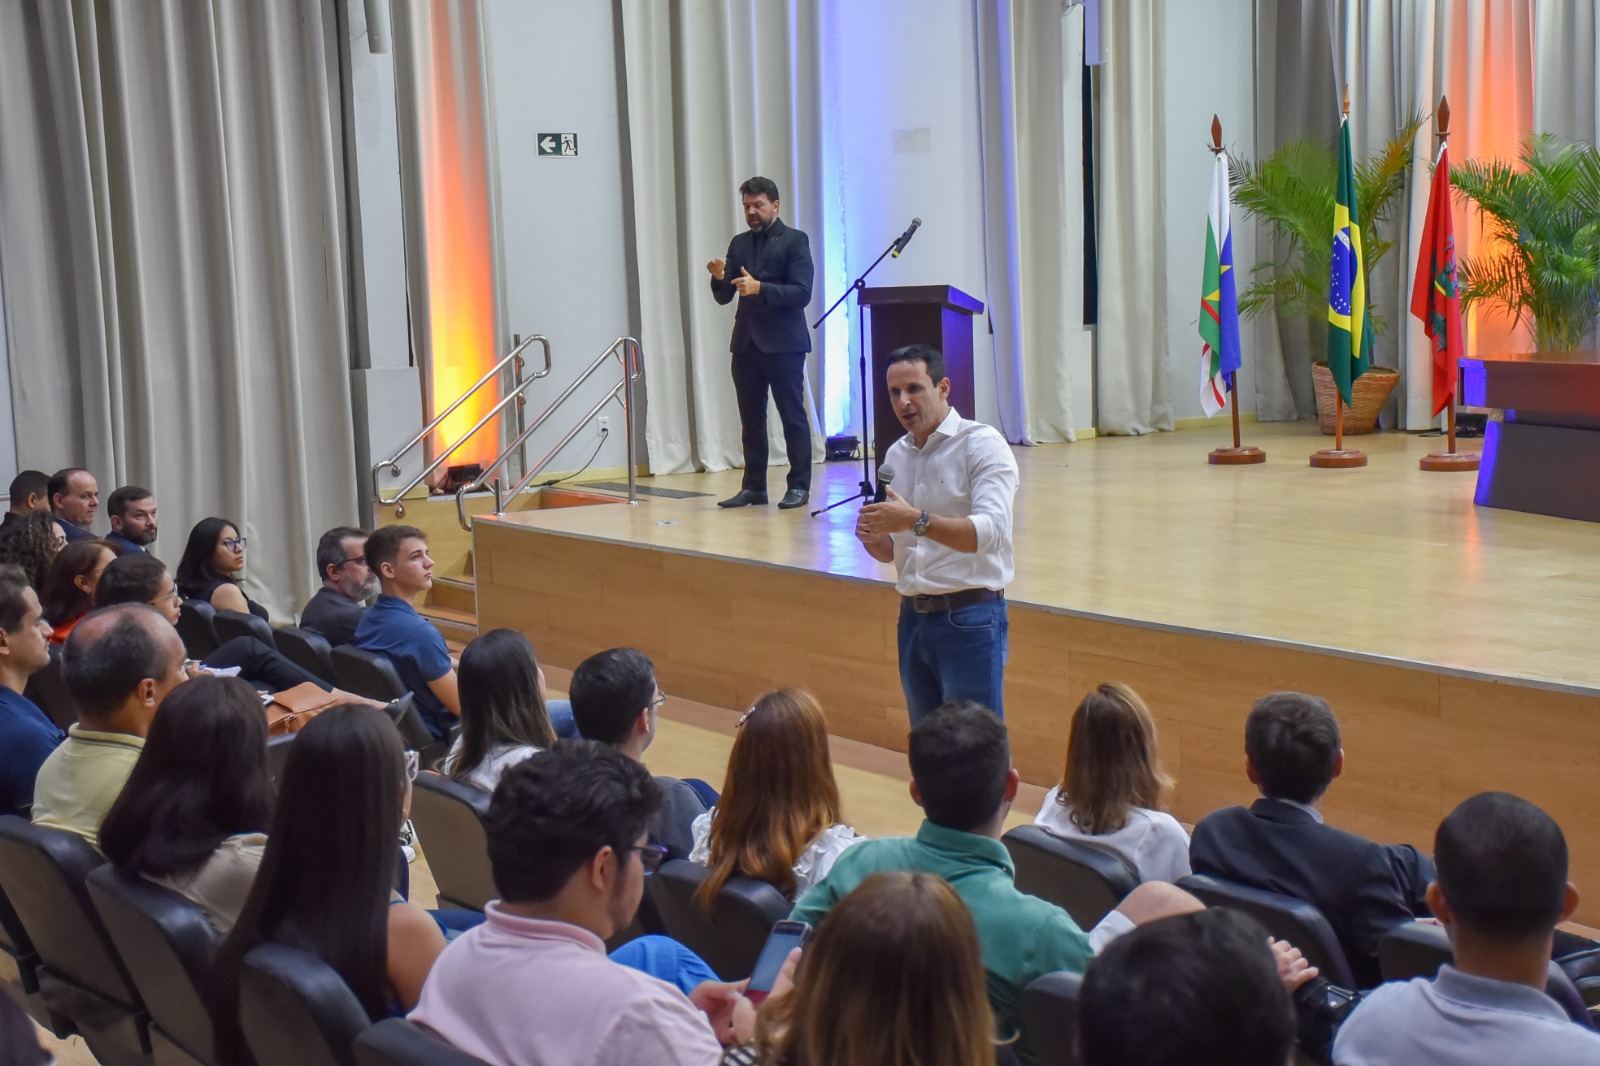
[720,1001]
[716,268]
[1293,969]
[746,285]
[893,515]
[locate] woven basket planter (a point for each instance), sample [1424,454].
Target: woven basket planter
[1368,394]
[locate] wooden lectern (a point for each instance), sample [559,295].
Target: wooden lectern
[938,315]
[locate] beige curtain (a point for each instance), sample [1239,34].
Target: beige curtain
[173,244]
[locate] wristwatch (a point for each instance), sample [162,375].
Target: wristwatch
[920,526]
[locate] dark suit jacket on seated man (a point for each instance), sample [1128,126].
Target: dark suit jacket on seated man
[1281,843]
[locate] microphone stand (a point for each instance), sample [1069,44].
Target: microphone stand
[866,491]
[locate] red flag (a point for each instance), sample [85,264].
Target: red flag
[1434,295]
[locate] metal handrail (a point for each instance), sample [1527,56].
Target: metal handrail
[626,349]
[521,384]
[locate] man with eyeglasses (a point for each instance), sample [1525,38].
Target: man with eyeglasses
[347,583]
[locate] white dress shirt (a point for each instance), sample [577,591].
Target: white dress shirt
[966,470]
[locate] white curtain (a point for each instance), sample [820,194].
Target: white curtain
[717,91]
[173,245]
[1026,224]
[1132,383]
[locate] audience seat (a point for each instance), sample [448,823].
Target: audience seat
[231,624]
[1050,1016]
[307,650]
[448,817]
[196,627]
[278,754]
[49,692]
[167,945]
[1085,881]
[730,938]
[396,1042]
[42,873]
[1285,917]
[1418,949]
[296,1011]
[19,970]
[366,673]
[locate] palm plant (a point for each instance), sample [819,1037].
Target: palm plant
[1545,214]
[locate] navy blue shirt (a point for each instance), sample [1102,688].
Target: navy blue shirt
[27,738]
[123,542]
[392,627]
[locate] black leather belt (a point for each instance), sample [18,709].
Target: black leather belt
[951,601]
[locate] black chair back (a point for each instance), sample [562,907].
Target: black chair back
[231,624]
[197,628]
[295,1010]
[167,945]
[366,673]
[1050,1018]
[396,1042]
[50,694]
[730,938]
[307,650]
[1418,949]
[1285,917]
[19,972]
[278,754]
[1081,879]
[43,874]
[448,817]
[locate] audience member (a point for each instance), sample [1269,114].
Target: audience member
[119,664]
[893,977]
[533,985]
[778,819]
[393,628]
[132,510]
[32,542]
[30,491]
[347,583]
[211,562]
[1111,790]
[1198,988]
[615,701]
[19,1037]
[962,778]
[326,883]
[1281,844]
[1502,888]
[194,812]
[68,592]
[27,736]
[74,499]
[503,710]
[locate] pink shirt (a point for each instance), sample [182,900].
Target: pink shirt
[524,992]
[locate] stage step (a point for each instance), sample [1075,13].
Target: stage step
[458,593]
[455,625]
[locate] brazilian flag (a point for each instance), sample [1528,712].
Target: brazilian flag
[1349,323]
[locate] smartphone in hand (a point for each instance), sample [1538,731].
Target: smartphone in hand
[784,938]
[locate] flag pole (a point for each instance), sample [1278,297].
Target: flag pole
[1336,458]
[1449,459]
[1237,455]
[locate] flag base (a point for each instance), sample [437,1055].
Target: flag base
[1439,461]
[1237,456]
[1338,458]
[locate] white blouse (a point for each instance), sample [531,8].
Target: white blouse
[812,865]
[1151,841]
[486,775]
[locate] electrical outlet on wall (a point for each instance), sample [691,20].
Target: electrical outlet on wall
[602,425]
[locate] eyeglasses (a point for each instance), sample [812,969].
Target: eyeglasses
[651,856]
[234,544]
[661,697]
[353,559]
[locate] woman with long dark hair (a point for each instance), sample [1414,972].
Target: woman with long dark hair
[68,592]
[326,884]
[779,818]
[503,716]
[32,542]
[194,812]
[212,560]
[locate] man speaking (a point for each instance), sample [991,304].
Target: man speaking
[946,526]
[769,269]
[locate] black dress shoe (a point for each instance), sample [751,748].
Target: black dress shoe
[744,498]
[794,498]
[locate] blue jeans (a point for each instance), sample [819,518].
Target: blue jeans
[560,712]
[953,655]
[664,958]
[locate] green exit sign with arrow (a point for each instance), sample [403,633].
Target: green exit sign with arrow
[558,143]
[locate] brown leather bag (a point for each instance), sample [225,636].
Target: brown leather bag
[292,708]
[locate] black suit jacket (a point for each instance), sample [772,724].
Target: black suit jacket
[773,320]
[1364,889]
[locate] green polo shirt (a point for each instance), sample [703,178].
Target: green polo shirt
[82,778]
[1023,937]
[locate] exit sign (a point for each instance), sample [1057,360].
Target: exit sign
[558,144]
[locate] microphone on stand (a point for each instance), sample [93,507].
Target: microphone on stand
[885,476]
[905,238]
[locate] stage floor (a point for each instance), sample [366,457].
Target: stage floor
[1386,563]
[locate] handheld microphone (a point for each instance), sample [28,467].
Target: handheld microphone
[905,238]
[885,476]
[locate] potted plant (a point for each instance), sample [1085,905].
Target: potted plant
[1546,214]
[1292,190]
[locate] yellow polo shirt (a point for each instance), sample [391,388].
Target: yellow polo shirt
[82,778]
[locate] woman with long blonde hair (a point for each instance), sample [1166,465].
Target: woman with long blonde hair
[1112,789]
[779,818]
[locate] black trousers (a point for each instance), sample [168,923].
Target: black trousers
[754,372]
[261,665]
